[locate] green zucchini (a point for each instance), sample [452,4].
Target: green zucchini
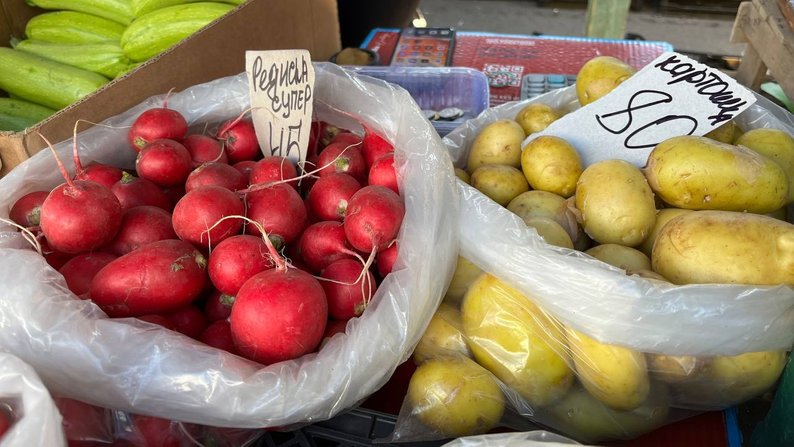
[106,59]
[45,82]
[73,27]
[117,10]
[18,114]
[157,31]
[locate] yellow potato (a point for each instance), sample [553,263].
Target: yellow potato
[511,337]
[501,183]
[616,203]
[463,175]
[674,369]
[443,336]
[775,144]
[545,204]
[620,256]
[702,174]
[455,396]
[536,117]
[465,274]
[726,133]
[615,375]
[551,164]
[551,232]
[725,247]
[648,274]
[599,76]
[662,217]
[497,143]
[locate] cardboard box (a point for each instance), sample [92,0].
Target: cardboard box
[216,51]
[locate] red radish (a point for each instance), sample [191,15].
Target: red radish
[346,138]
[160,320]
[54,258]
[347,290]
[280,211]
[219,335]
[26,211]
[5,423]
[103,174]
[273,169]
[386,258]
[383,173]
[340,157]
[217,174]
[164,162]
[135,191]
[335,327]
[141,225]
[151,431]
[373,219]
[327,133]
[81,269]
[328,198]
[239,140]
[159,122]
[374,146]
[204,149]
[235,260]
[245,166]
[197,216]
[323,243]
[174,194]
[84,422]
[189,320]
[218,306]
[156,278]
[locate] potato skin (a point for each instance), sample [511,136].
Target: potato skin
[725,247]
[497,143]
[599,76]
[501,183]
[616,203]
[703,174]
[551,164]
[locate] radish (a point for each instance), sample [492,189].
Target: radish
[245,166]
[279,210]
[348,290]
[189,320]
[141,225]
[323,243]
[327,133]
[56,259]
[235,260]
[152,431]
[198,215]
[204,149]
[328,198]
[273,169]
[164,162]
[218,306]
[374,146]
[219,335]
[84,422]
[5,422]
[347,138]
[340,157]
[335,327]
[26,211]
[103,174]
[81,269]
[134,191]
[373,219]
[216,174]
[156,278]
[174,194]
[160,320]
[239,140]
[382,173]
[279,314]
[386,258]
[160,122]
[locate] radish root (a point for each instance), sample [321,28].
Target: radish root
[27,234]
[278,260]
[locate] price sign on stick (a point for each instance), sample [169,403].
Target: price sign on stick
[281,84]
[673,95]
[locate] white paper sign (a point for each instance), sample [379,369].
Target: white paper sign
[673,95]
[281,83]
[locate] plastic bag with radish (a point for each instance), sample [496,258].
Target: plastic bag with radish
[587,337]
[279,361]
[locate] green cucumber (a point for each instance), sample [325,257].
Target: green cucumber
[17,114]
[73,27]
[117,10]
[106,59]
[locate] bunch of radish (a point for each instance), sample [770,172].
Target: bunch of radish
[254,255]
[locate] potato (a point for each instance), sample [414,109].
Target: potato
[463,175]
[702,174]
[674,369]
[726,133]
[616,203]
[551,232]
[620,256]
[662,217]
[536,117]
[615,375]
[775,144]
[536,203]
[511,337]
[465,274]
[455,396]
[599,76]
[501,183]
[647,274]
[781,214]
[551,164]
[443,336]
[725,247]
[497,143]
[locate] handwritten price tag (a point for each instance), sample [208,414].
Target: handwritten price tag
[281,83]
[673,95]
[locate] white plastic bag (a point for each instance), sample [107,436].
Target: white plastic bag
[36,418]
[140,368]
[537,438]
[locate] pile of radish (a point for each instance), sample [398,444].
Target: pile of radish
[254,255]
